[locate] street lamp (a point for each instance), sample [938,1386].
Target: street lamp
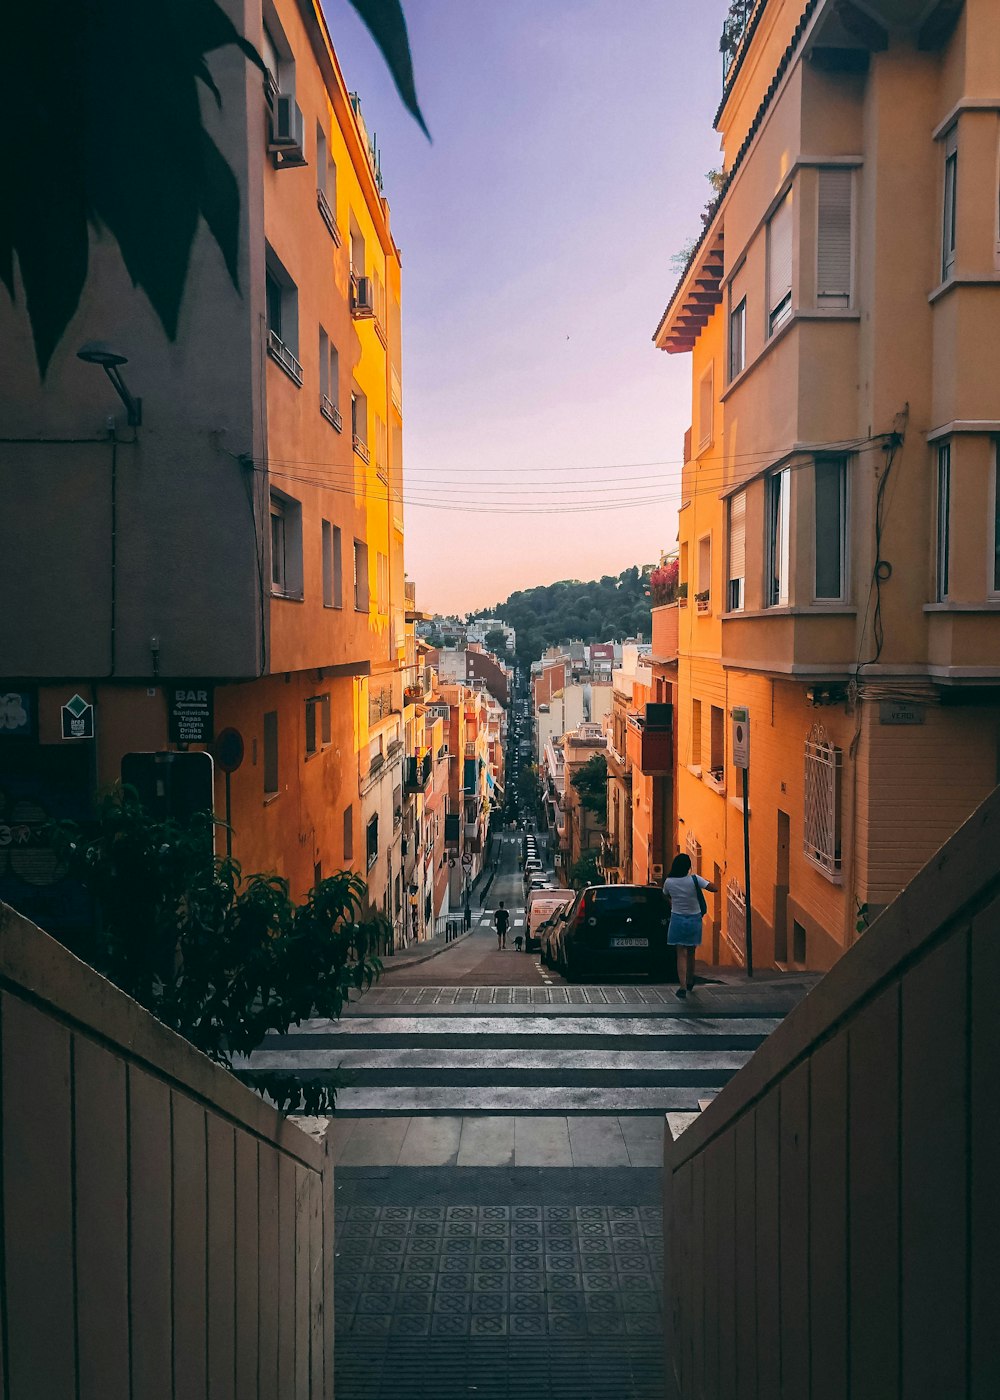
[98,352]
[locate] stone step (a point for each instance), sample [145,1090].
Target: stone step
[528,1031]
[479,1067]
[502,1101]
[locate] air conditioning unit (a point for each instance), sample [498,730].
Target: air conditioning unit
[288,130]
[364,298]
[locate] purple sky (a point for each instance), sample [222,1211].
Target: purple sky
[570,144]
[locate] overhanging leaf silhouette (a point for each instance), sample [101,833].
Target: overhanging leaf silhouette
[110,138]
[109,94]
[387,26]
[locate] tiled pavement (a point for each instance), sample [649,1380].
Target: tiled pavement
[512,1290]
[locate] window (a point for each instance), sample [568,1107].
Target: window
[833,238]
[831,527]
[778,521]
[779,265]
[317,723]
[360,576]
[333,567]
[821,835]
[943,520]
[737,551]
[382,582]
[282,308]
[706,405]
[269,53]
[326,185]
[738,339]
[371,841]
[703,597]
[271,753]
[286,546]
[349,833]
[277,546]
[329,380]
[717,742]
[357,251]
[696,733]
[359,422]
[950,200]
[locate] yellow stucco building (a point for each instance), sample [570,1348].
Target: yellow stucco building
[839,526]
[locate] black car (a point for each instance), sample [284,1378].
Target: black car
[616,930]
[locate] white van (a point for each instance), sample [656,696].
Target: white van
[541,904]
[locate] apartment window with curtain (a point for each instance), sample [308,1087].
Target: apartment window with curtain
[779,265]
[834,238]
[696,733]
[736,585]
[778,523]
[348,834]
[943,519]
[831,528]
[281,303]
[738,339]
[950,201]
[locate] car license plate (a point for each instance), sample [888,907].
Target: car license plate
[630,942]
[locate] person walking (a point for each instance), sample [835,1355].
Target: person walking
[502,920]
[687,909]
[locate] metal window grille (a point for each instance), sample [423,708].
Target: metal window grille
[693,847]
[736,919]
[821,839]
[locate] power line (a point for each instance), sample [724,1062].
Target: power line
[539,504]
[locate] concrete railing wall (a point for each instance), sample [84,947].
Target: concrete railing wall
[164,1234]
[832,1226]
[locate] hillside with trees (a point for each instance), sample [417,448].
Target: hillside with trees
[605,609]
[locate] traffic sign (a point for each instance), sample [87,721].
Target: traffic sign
[229,750]
[741,737]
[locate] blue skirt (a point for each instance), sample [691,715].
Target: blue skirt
[684,930]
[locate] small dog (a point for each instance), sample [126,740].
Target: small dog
[518,943]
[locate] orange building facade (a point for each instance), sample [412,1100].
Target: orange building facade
[254,547]
[839,529]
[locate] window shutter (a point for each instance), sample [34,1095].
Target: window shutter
[834,235]
[779,256]
[738,535]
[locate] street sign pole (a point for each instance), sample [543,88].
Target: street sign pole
[229,815]
[741,759]
[746,868]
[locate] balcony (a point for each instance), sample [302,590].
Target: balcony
[703,601]
[330,412]
[280,353]
[818,643]
[417,773]
[650,741]
[361,448]
[323,205]
[665,633]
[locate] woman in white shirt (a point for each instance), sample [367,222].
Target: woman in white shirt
[687,907]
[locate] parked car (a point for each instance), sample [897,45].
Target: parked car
[614,930]
[543,902]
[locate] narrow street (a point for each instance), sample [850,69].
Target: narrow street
[498,1184]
